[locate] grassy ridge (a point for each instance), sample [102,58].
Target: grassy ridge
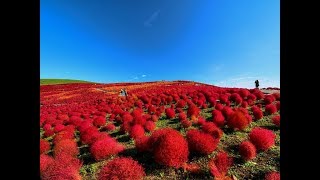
[60,81]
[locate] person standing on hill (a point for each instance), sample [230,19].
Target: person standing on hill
[257,83]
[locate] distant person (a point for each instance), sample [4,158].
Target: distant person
[257,83]
[125,92]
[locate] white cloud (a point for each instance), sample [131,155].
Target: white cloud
[248,82]
[136,77]
[143,75]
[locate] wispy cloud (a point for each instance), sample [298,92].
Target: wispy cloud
[136,77]
[248,82]
[153,17]
[143,75]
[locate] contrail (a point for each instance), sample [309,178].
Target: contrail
[152,18]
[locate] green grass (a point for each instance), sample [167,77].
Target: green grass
[60,81]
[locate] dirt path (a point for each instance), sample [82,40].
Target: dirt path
[266,91]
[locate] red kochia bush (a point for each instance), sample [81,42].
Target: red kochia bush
[104,148]
[44,146]
[193,110]
[276,120]
[238,120]
[218,106]
[182,116]
[227,111]
[122,168]
[169,147]
[257,113]
[110,127]
[247,150]
[63,167]
[154,118]
[212,129]
[150,126]
[263,139]
[45,162]
[99,121]
[244,93]
[139,120]
[170,113]
[272,176]
[127,117]
[220,165]
[186,123]
[89,135]
[218,118]
[181,104]
[67,146]
[62,135]
[244,104]
[270,109]
[136,131]
[268,99]
[200,142]
[58,128]
[278,105]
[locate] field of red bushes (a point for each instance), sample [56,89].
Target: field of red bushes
[162,130]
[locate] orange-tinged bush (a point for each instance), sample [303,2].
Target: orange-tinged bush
[122,168]
[238,120]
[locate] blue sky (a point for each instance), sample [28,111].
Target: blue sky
[221,42]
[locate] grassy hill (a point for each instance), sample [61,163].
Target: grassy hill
[60,81]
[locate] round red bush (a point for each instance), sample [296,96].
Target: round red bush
[278,105]
[66,146]
[136,131]
[227,111]
[150,126]
[247,150]
[58,128]
[186,123]
[45,162]
[44,146]
[263,139]
[170,113]
[272,176]
[89,135]
[212,129]
[218,118]
[110,127]
[62,135]
[238,120]
[200,142]
[271,109]
[182,116]
[219,106]
[63,167]
[244,104]
[99,121]
[104,148]
[257,113]
[122,168]
[276,120]
[169,147]
[193,110]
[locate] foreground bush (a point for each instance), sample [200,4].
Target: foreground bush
[122,168]
[169,147]
[247,150]
[220,165]
[200,142]
[262,139]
